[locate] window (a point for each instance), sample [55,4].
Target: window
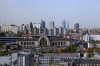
[21,43]
[24,43]
[32,43]
[58,43]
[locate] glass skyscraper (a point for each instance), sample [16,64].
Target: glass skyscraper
[42,24]
[76,26]
[51,24]
[63,24]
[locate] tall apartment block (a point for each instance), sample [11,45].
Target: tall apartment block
[64,24]
[37,25]
[21,28]
[51,24]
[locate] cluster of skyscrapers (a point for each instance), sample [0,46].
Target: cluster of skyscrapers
[39,28]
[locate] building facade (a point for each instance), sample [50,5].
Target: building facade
[55,58]
[76,26]
[78,62]
[42,24]
[37,25]
[51,24]
[64,24]
[44,41]
[88,38]
[21,28]
[30,28]
[11,28]
[94,44]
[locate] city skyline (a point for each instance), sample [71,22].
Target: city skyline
[82,12]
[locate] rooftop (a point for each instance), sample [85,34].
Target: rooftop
[84,61]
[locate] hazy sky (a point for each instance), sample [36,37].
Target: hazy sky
[84,12]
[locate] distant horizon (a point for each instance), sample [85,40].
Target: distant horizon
[84,12]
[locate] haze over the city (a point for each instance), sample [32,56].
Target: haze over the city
[84,12]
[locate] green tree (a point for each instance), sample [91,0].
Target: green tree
[50,51]
[19,34]
[20,48]
[2,53]
[90,51]
[3,34]
[41,51]
[89,55]
[1,44]
[60,50]
[71,48]
[37,63]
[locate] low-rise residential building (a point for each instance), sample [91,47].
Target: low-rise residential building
[17,59]
[88,38]
[94,44]
[47,59]
[78,62]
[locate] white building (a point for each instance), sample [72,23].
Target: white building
[91,37]
[21,27]
[12,28]
[65,31]
[55,31]
[45,58]
[37,25]
[20,59]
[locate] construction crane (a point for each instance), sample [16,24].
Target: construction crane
[8,22]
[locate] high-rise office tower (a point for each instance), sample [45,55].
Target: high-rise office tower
[60,30]
[76,26]
[25,30]
[64,23]
[42,24]
[35,31]
[30,25]
[37,25]
[34,25]
[55,33]
[49,31]
[51,24]
[67,26]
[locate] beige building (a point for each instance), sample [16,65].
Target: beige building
[44,41]
[94,44]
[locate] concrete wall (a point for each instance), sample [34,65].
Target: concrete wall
[4,59]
